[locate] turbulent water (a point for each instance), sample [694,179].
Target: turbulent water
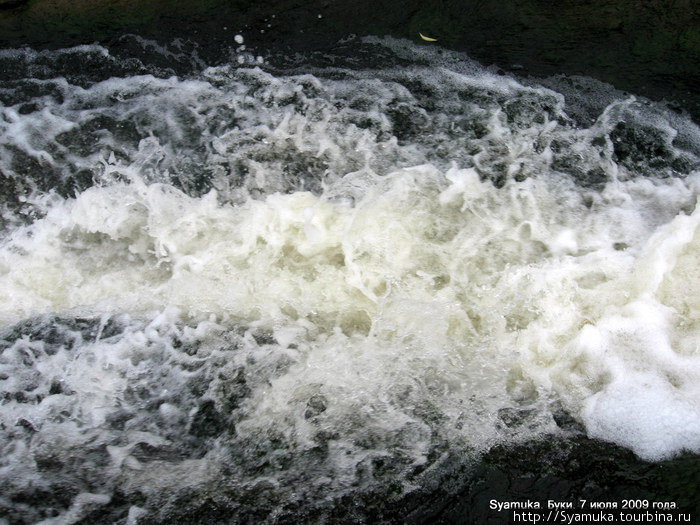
[273,283]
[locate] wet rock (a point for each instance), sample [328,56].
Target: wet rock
[117,420]
[316,405]
[57,332]
[263,337]
[639,146]
[235,389]
[515,417]
[406,122]
[650,48]
[207,421]
[145,452]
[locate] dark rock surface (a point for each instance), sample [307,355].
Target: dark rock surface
[565,470]
[651,48]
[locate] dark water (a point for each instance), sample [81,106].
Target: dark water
[380,285]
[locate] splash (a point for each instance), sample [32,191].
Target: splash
[322,283]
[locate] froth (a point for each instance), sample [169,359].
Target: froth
[325,281]
[525,267]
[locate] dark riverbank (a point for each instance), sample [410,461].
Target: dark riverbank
[651,49]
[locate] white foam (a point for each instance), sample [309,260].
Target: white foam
[649,398]
[513,260]
[350,263]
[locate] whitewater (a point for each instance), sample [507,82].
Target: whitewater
[306,281]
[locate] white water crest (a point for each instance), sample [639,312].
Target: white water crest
[328,280]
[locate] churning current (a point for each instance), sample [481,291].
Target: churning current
[288,282]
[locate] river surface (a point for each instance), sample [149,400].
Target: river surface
[281,282]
